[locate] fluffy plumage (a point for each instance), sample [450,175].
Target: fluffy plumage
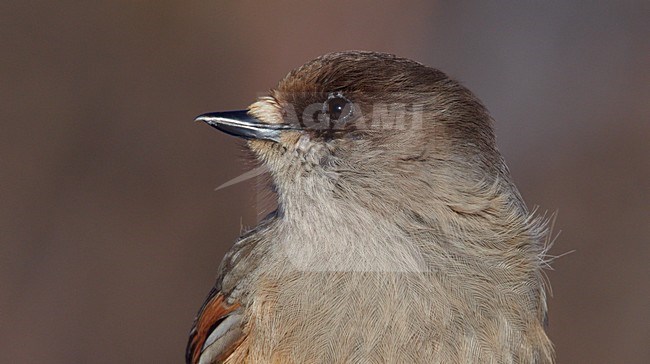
[399,237]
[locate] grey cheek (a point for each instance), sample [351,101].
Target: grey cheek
[303,145]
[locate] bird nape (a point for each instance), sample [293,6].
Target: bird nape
[399,236]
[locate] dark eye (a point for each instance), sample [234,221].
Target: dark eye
[337,108]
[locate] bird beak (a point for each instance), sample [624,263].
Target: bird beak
[240,124]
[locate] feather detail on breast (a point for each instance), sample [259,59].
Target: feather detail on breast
[217,331]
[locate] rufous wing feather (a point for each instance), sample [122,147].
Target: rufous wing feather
[217,331]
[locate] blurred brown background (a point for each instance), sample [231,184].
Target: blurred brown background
[111,231]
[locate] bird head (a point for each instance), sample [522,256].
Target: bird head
[366,125]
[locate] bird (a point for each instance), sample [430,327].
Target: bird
[399,235]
